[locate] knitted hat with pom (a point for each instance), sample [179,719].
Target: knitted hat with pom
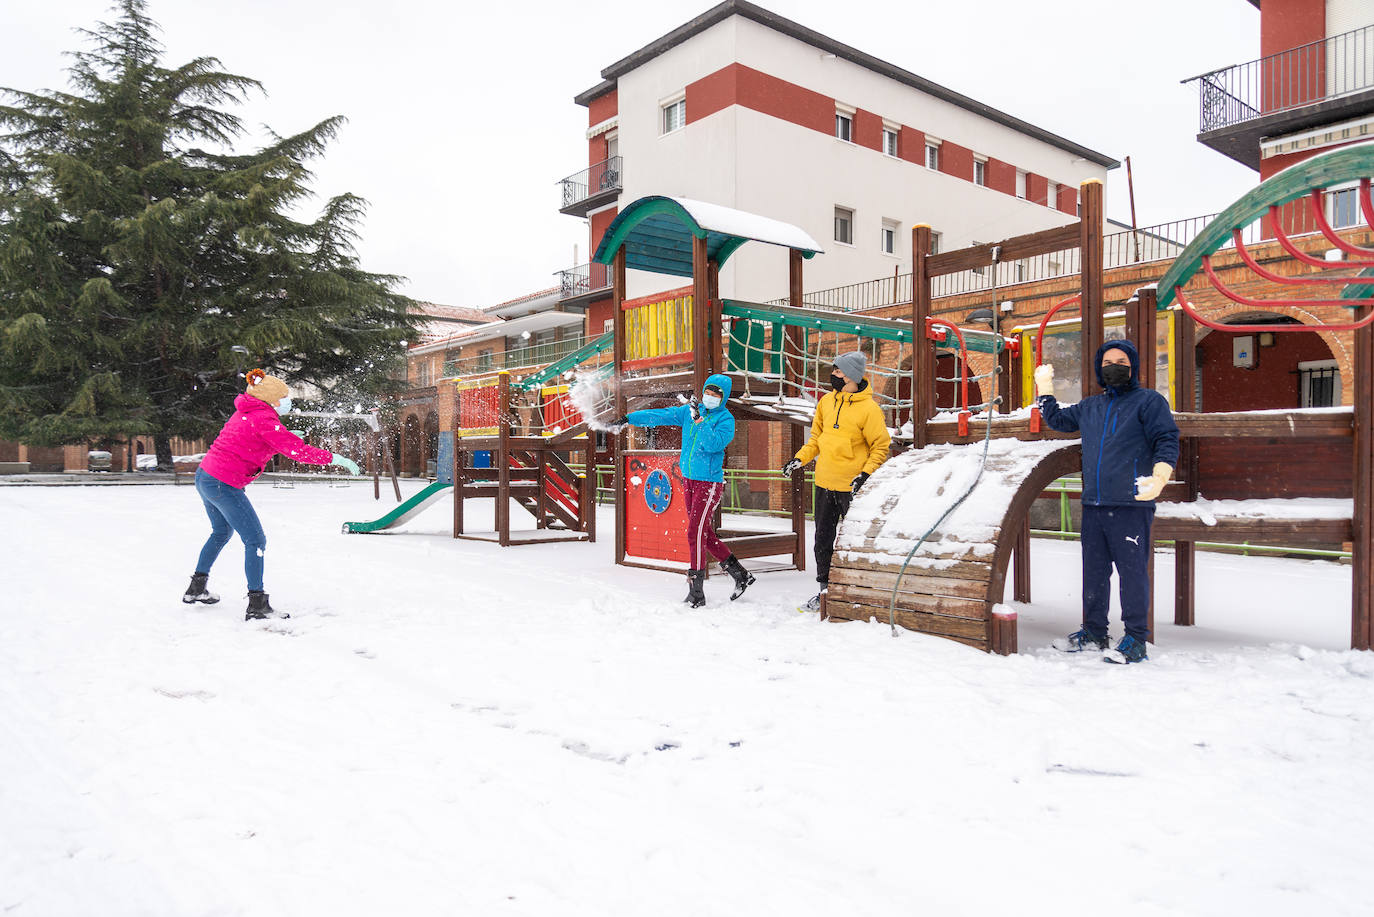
[268,388]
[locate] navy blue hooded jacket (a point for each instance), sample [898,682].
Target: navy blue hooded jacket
[703,444]
[1125,432]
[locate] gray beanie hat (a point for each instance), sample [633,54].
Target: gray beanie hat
[852,365]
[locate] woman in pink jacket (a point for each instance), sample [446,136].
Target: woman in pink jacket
[238,455]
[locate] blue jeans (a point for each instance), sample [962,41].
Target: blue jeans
[1117,536]
[229,512]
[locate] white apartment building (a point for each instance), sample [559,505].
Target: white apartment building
[743,108]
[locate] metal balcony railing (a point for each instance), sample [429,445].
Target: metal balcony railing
[520,358]
[1315,72]
[585,278]
[604,176]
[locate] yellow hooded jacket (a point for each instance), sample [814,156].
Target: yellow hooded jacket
[850,436]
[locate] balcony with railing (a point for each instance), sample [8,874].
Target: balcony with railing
[528,357]
[584,282]
[1316,83]
[591,188]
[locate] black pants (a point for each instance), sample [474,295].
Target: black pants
[1117,536]
[831,505]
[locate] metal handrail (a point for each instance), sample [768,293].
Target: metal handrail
[591,181]
[519,358]
[1310,73]
[583,279]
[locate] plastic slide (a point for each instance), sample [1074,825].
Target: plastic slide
[401,514]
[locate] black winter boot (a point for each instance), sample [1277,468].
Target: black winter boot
[196,592]
[259,607]
[696,588]
[742,577]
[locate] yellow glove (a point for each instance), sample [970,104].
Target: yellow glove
[1149,488]
[1044,379]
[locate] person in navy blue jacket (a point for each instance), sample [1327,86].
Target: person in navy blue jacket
[1130,448]
[706,431]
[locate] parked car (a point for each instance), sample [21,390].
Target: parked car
[97,460]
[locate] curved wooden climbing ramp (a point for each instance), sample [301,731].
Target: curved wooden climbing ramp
[954,581]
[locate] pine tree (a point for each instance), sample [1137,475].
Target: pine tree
[140,255]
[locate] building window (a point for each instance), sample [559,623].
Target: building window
[844,225]
[934,243]
[1345,207]
[844,127]
[980,172]
[1021,184]
[674,115]
[1321,383]
[890,141]
[977,270]
[1020,271]
[933,156]
[889,238]
[1051,195]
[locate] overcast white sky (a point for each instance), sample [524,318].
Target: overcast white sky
[461,118]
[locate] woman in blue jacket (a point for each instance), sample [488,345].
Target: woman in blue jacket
[706,431]
[1130,447]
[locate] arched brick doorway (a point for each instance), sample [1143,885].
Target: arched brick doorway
[412,447]
[431,440]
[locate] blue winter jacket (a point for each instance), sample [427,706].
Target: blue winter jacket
[703,444]
[1125,432]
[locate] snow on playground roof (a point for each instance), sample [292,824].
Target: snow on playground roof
[656,233]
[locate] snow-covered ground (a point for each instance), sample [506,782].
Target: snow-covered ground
[449,727]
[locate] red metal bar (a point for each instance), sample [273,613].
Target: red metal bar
[1268,303]
[1298,253]
[1044,322]
[931,322]
[1249,259]
[1314,203]
[1253,329]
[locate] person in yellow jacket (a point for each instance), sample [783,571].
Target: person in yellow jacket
[849,440]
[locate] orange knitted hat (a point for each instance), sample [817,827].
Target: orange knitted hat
[268,388]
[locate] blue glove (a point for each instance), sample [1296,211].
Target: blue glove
[344,462]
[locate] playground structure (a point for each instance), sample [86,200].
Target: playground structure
[510,438]
[1312,460]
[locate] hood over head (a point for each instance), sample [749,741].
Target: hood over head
[1125,347]
[721,382]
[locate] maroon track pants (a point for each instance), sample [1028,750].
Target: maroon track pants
[702,499]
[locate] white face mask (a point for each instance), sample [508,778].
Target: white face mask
[711,401]
[284,406]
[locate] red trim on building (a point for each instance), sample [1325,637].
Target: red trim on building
[1286,24]
[868,130]
[1068,200]
[602,108]
[1037,188]
[600,222]
[956,160]
[1001,176]
[911,145]
[737,84]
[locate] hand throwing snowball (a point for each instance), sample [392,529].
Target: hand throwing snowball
[1125,430]
[707,428]
[238,455]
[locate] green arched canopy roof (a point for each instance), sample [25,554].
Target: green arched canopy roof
[656,233]
[1342,165]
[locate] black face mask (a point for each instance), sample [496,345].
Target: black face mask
[1116,375]
[836,382]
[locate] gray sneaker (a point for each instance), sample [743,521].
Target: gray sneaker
[812,604]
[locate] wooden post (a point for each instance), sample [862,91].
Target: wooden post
[1185,555]
[792,376]
[541,506]
[618,452]
[1362,548]
[714,321]
[1090,261]
[922,354]
[1020,554]
[589,487]
[459,482]
[374,463]
[701,311]
[1141,331]
[391,469]
[502,456]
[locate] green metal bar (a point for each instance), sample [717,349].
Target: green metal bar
[554,370]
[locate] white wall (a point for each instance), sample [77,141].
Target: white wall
[741,158]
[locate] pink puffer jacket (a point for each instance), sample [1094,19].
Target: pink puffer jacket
[252,436]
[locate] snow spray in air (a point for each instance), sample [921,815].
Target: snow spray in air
[593,394]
